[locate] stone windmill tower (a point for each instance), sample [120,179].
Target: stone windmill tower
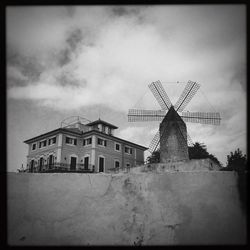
[172,138]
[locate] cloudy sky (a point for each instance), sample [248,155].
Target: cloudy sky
[97,61]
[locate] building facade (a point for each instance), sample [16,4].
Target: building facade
[90,147]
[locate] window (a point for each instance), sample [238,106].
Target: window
[52,140]
[103,128]
[71,141]
[117,146]
[117,164]
[106,130]
[128,150]
[87,141]
[34,146]
[102,142]
[42,144]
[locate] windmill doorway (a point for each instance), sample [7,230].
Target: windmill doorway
[72,163]
[101,164]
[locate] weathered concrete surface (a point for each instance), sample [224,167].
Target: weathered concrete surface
[183,166]
[125,209]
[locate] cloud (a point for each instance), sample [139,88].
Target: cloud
[122,55]
[14,74]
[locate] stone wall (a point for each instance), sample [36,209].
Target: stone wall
[173,141]
[189,165]
[173,208]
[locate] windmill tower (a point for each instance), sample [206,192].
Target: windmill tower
[172,138]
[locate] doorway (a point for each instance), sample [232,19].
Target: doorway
[73,163]
[51,161]
[86,163]
[101,164]
[32,166]
[40,164]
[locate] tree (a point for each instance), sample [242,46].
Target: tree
[212,157]
[154,158]
[236,161]
[198,151]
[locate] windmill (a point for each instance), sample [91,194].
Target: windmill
[172,138]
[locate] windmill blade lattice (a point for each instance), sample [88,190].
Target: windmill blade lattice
[155,143]
[189,140]
[187,95]
[138,115]
[160,95]
[202,117]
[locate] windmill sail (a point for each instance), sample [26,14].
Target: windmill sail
[189,140]
[155,143]
[160,95]
[201,117]
[186,96]
[138,115]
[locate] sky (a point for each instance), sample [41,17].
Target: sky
[97,62]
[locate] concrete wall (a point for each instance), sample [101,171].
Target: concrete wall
[179,208]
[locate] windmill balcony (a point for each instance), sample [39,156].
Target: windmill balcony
[63,168]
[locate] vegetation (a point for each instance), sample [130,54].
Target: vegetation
[154,157]
[236,161]
[199,151]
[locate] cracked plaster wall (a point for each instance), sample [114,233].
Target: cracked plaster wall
[125,209]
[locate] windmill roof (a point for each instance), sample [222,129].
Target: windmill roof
[172,115]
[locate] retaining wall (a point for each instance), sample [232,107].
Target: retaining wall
[174,208]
